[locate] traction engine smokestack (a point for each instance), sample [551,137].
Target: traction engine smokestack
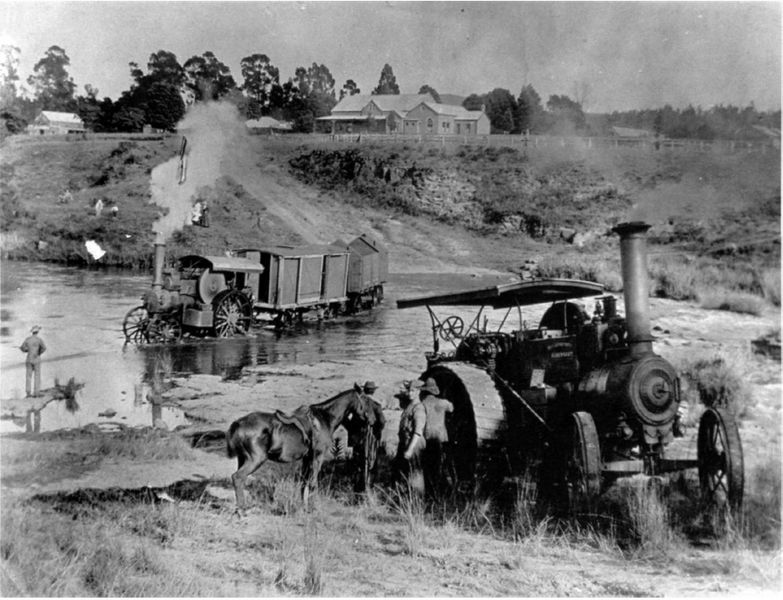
[633,256]
[160,257]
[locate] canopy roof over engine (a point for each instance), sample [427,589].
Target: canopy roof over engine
[506,295]
[221,263]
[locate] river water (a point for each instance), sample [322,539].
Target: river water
[80,312]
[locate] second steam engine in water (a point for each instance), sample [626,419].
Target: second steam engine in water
[224,295]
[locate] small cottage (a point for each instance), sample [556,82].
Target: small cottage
[50,122]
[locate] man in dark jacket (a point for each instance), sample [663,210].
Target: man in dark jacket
[34,346]
[364,436]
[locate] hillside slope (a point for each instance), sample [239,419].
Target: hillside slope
[437,209]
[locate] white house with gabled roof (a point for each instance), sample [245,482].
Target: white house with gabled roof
[51,122]
[404,113]
[366,113]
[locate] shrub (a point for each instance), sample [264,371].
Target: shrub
[738,302]
[720,382]
[770,285]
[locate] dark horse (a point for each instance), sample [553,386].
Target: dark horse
[306,434]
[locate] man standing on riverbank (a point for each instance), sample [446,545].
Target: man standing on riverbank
[34,346]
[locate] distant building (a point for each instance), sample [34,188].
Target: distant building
[628,132]
[403,113]
[267,125]
[53,123]
[444,119]
[364,113]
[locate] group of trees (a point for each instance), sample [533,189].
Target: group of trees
[158,97]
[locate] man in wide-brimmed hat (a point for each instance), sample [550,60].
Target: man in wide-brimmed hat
[411,439]
[436,434]
[34,346]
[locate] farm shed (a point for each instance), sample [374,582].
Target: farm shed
[53,123]
[267,125]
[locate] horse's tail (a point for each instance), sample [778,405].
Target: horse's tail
[233,442]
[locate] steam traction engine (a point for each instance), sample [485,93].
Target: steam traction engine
[224,295]
[206,294]
[580,399]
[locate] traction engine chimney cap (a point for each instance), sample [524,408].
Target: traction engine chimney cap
[630,227]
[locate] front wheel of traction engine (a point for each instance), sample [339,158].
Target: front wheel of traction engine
[583,464]
[721,469]
[233,314]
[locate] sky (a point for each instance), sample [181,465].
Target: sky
[610,55]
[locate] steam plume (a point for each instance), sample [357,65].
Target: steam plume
[214,132]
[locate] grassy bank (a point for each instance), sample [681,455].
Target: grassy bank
[715,218]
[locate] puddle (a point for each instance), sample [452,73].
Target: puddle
[62,414]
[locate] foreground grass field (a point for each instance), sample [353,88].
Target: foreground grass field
[188,541]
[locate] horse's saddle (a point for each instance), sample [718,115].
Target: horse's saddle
[301,418]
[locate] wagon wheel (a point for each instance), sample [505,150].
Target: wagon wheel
[233,314]
[583,465]
[135,325]
[165,330]
[721,471]
[451,328]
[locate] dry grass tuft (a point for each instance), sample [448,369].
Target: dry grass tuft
[721,380]
[770,285]
[650,524]
[55,554]
[738,302]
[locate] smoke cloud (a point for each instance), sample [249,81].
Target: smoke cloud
[215,134]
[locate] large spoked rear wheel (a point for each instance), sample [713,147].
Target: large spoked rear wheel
[583,465]
[721,469]
[135,325]
[233,314]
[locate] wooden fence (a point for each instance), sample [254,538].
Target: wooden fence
[534,142]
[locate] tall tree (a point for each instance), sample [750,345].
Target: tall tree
[164,106]
[387,84]
[501,108]
[475,102]
[317,79]
[9,74]
[52,86]
[162,67]
[208,77]
[89,109]
[529,108]
[567,113]
[260,77]
[426,89]
[349,89]
[157,93]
